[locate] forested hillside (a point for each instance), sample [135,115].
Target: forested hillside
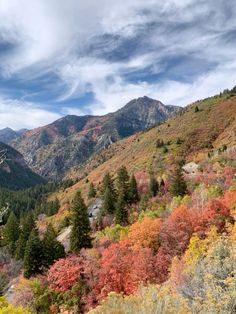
[149,226]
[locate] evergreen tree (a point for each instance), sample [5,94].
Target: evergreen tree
[196,109]
[80,233]
[153,186]
[52,249]
[121,216]
[107,182]
[20,247]
[133,191]
[178,186]
[33,255]
[92,191]
[123,186]
[108,206]
[11,232]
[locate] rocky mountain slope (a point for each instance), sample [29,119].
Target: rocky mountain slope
[7,134]
[14,172]
[202,131]
[54,149]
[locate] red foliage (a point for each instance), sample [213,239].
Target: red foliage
[177,230]
[162,264]
[65,273]
[215,213]
[122,268]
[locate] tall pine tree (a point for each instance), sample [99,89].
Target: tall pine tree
[80,233]
[121,216]
[133,192]
[178,186]
[153,186]
[11,232]
[107,182]
[92,191]
[108,205]
[123,186]
[52,249]
[33,257]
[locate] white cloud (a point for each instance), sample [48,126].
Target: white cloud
[17,114]
[56,36]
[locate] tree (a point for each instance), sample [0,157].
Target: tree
[178,186]
[80,233]
[33,255]
[65,273]
[134,196]
[12,232]
[52,249]
[92,191]
[108,206]
[123,183]
[196,109]
[121,216]
[153,186]
[107,182]
[28,225]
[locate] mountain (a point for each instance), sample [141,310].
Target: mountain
[200,132]
[14,172]
[54,149]
[7,134]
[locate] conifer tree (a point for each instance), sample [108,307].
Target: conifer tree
[52,249]
[123,183]
[107,182]
[33,255]
[80,233]
[11,232]
[20,247]
[108,205]
[92,191]
[133,191]
[178,186]
[121,216]
[153,186]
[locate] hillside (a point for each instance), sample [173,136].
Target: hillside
[54,149]
[14,172]
[7,134]
[190,135]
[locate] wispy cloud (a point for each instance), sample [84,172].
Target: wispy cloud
[175,51]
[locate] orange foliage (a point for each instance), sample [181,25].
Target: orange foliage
[145,233]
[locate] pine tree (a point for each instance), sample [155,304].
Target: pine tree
[52,249]
[178,186]
[123,183]
[133,190]
[12,232]
[92,191]
[108,206]
[121,216]
[153,186]
[107,182]
[20,247]
[33,255]
[80,233]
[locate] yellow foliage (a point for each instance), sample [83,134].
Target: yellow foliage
[6,308]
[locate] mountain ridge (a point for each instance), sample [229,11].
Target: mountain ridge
[53,149]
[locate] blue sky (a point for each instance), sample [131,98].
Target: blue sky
[91,57]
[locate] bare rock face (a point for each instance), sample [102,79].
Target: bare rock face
[68,142]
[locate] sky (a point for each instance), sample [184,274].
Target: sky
[81,57]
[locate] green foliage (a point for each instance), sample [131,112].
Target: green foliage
[92,191]
[6,308]
[153,186]
[114,233]
[123,186]
[159,143]
[121,216]
[80,233]
[52,249]
[11,232]
[108,205]
[165,150]
[178,186]
[107,182]
[133,192]
[33,258]
[196,109]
